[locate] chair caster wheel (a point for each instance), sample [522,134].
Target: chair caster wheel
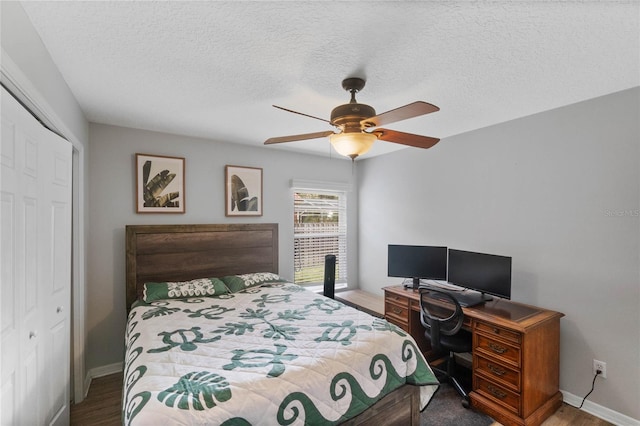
[465,402]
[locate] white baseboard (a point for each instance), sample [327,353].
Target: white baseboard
[105,370]
[102,371]
[600,411]
[85,388]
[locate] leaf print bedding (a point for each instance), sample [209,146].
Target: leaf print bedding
[274,354]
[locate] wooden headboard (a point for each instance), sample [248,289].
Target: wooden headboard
[157,253]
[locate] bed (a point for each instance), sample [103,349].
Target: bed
[215,336]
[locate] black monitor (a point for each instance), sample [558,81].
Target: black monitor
[417,262]
[485,273]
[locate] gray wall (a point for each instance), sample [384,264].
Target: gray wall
[23,45]
[553,190]
[111,204]
[559,192]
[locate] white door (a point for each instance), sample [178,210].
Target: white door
[35,226]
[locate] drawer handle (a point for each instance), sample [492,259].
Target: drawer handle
[397,311]
[497,348]
[496,330]
[496,370]
[496,392]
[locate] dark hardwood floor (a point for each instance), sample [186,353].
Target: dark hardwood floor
[102,407]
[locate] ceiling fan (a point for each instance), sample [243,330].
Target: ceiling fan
[357,124]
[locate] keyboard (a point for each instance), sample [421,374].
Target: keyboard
[465,298]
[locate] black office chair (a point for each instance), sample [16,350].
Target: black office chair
[442,317]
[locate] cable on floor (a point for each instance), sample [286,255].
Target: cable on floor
[593,384]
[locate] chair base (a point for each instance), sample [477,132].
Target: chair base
[449,378]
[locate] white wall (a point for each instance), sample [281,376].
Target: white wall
[559,192]
[112,193]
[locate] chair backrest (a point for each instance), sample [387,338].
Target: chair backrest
[440,313]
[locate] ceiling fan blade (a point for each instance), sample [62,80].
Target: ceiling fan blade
[402,113]
[406,138]
[301,113]
[301,137]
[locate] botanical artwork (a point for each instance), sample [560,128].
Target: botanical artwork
[243,191]
[160,184]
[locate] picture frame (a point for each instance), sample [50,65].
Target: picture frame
[243,191]
[160,184]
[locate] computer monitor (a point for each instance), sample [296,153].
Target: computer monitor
[416,262]
[482,272]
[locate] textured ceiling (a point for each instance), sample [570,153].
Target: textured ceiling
[213,69]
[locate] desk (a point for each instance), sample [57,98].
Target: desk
[516,354]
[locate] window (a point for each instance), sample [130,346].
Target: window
[319,229]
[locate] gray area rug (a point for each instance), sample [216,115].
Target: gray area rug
[445,409]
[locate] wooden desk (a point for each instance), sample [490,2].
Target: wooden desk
[516,354]
[364,301]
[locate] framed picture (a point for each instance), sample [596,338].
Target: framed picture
[243,191]
[159,184]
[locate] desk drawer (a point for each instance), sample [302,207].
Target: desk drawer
[467,323]
[498,332]
[396,300]
[498,393]
[399,312]
[504,352]
[415,305]
[497,372]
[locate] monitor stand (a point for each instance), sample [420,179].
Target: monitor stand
[486,297]
[415,285]
[471,298]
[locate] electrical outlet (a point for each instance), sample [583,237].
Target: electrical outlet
[600,365]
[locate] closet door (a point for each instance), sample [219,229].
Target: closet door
[56,289]
[35,225]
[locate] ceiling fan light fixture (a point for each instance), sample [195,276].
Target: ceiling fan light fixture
[352,144]
[359,125]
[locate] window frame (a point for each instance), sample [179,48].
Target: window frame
[332,189]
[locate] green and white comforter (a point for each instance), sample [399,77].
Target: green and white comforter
[276,354]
